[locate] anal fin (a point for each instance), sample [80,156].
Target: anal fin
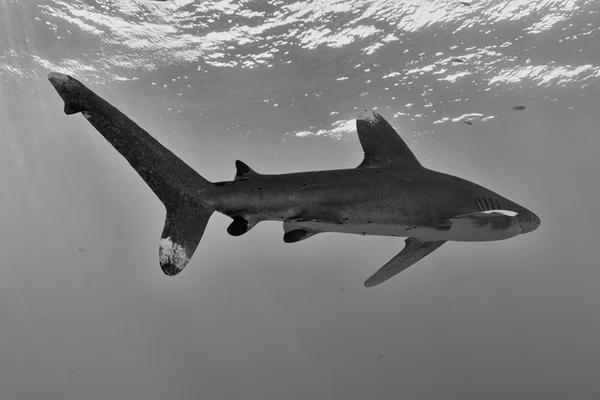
[238,227]
[414,250]
[241,225]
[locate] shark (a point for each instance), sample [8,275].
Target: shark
[390,193]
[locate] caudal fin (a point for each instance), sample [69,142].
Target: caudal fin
[185,194]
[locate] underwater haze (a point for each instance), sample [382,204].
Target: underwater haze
[502,93]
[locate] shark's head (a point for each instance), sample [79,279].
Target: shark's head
[528,221]
[489,202]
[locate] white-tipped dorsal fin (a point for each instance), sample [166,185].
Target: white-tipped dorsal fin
[243,171]
[381,143]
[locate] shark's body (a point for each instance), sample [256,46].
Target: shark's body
[371,201]
[390,193]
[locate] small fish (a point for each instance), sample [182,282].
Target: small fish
[519,108]
[464,3]
[468,122]
[426,206]
[458,60]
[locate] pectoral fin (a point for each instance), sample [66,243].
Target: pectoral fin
[414,250]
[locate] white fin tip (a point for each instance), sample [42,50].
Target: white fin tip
[367,115]
[58,77]
[172,253]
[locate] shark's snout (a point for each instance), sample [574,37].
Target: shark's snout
[536,221]
[530,222]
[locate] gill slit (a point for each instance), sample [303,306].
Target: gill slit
[478,201]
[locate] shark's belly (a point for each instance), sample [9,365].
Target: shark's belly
[458,231]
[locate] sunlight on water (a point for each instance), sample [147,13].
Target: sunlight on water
[128,37]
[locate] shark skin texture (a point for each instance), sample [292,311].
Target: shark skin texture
[389,194]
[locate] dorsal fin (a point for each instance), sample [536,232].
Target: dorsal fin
[381,143]
[243,171]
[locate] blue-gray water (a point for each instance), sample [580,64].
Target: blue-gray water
[85,311]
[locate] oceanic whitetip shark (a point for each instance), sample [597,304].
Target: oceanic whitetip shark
[390,193]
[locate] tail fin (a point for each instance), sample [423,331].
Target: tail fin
[185,194]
